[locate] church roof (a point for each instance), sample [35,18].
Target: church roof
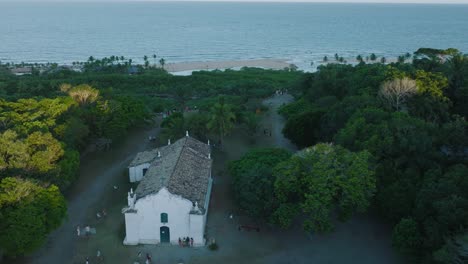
[184,168]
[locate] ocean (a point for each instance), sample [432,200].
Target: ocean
[206,31]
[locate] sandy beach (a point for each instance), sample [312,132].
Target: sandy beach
[275,64]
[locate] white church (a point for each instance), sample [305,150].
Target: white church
[173,194]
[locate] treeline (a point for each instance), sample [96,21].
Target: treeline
[411,118]
[47,119]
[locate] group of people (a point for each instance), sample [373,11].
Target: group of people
[281,92]
[186,242]
[87,230]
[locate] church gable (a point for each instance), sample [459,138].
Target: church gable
[184,168]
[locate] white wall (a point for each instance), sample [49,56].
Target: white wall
[136,173]
[131,229]
[148,220]
[197,229]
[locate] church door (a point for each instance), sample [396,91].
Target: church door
[165,236]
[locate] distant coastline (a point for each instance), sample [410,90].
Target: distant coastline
[274,64]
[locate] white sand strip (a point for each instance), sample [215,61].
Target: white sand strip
[275,64]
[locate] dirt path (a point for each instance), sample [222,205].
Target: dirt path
[97,174]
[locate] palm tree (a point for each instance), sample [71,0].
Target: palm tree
[401,59]
[325,59]
[221,119]
[383,60]
[373,57]
[337,57]
[359,58]
[145,58]
[162,61]
[154,57]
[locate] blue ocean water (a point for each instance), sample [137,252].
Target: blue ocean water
[194,31]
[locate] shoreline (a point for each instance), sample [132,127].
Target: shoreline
[274,64]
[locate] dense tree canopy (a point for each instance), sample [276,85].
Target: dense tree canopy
[253,180]
[29,212]
[420,150]
[320,179]
[49,118]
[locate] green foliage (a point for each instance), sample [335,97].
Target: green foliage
[28,212]
[172,127]
[455,250]
[406,236]
[419,153]
[253,180]
[221,118]
[307,134]
[321,179]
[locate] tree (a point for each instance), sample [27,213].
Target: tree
[373,57]
[396,92]
[196,124]
[432,84]
[383,60]
[37,154]
[401,59]
[253,180]
[28,212]
[250,121]
[84,94]
[154,57]
[304,129]
[320,179]
[455,250]
[173,127]
[359,58]
[325,59]
[221,119]
[162,61]
[406,236]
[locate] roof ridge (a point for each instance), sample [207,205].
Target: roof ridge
[178,159]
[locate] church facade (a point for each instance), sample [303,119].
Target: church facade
[173,194]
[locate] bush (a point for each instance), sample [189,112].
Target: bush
[213,246]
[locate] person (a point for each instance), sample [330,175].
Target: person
[139,254]
[88,230]
[87,260]
[98,255]
[78,231]
[191,242]
[180,242]
[98,215]
[104,213]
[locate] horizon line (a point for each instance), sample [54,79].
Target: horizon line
[403,2]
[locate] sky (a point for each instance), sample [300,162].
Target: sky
[323,1]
